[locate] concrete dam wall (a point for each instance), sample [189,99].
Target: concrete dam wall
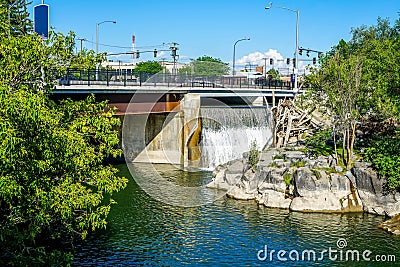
[193,135]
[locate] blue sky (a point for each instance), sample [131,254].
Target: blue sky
[211,27]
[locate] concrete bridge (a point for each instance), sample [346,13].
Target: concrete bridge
[162,112]
[119,88]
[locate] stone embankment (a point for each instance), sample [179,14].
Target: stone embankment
[286,178]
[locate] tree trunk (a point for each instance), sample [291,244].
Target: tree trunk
[334,143]
[349,153]
[351,147]
[344,147]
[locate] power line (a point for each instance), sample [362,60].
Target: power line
[128,47]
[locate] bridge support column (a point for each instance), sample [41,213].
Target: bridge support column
[273,98]
[258,101]
[191,131]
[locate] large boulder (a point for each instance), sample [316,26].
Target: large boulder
[313,189]
[272,179]
[228,175]
[273,199]
[236,167]
[304,183]
[294,156]
[326,202]
[323,192]
[218,182]
[371,189]
[245,188]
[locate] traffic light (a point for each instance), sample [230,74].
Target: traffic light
[155,52]
[288,61]
[173,52]
[308,53]
[137,54]
[314,60]
[271,61]
[301,52]
[294,62]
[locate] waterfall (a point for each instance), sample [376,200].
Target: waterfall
[228,132]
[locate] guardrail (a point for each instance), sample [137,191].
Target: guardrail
[107,77]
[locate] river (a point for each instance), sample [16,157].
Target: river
[144,232]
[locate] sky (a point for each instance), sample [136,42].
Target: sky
[211,27]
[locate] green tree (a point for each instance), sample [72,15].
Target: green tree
[187,70]
[359,80]
[273,74]
[383,152]
[16,11]
[380,46]
[27,58]
[209,66]
[337,86]
[152,67]
[54,186]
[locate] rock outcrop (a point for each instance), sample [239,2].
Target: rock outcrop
[376,199]
[392,226]
[286,178]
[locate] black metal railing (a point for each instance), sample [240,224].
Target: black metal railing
[110,77]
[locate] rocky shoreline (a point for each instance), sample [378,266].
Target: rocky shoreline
[286,178]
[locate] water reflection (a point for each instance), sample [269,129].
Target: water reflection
[171,185]
[145,232]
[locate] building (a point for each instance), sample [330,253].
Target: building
[123,67]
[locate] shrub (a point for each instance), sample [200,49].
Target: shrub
[279,156]
[298,164]
[254,155]
[318,143]
[287,177]
[383,153]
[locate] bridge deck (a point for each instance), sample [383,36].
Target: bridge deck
[148,89]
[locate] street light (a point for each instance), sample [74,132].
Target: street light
[234,51]
[97,33]
[295,70]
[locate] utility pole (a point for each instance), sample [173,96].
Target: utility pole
[265,68]
[81,39]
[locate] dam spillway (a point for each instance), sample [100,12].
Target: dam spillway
[196,135]
[228,132]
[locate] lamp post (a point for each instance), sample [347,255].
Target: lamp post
[295,70]
[97,33]
[97,43]
[234,51]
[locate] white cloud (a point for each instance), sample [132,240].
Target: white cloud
[279,62]
[257,58]
[160,54]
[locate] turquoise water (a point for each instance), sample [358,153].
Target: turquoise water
[145,232]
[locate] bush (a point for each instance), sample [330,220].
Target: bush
[54,187]
[287,177]
[254,155]
[383,153]
[318,143]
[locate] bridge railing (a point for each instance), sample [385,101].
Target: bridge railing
[107,77]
